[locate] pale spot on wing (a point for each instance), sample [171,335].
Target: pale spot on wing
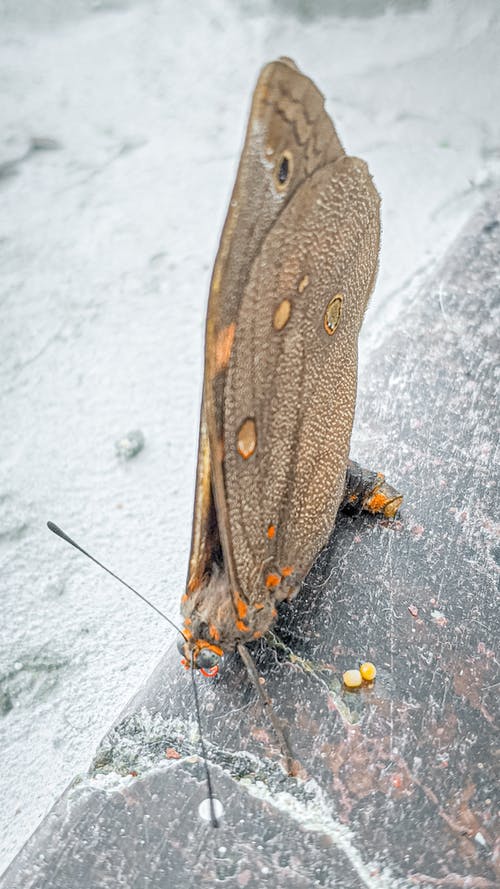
[282,314]
[247,438]
[303,284]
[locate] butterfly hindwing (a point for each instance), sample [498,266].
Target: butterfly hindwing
[292,379]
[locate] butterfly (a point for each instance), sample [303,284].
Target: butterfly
[296,264]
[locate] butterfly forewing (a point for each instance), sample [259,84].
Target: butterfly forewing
[288,132]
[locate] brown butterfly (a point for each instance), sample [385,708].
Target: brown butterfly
[296,265]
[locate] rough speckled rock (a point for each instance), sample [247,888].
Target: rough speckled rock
[397,786]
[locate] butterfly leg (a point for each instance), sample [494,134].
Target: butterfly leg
[368,490]
[268,707]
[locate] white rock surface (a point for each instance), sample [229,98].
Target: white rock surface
[107,236]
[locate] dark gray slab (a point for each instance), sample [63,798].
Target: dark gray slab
[398,784]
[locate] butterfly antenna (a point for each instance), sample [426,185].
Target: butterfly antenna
[60,533]
[213,817]
[268,707]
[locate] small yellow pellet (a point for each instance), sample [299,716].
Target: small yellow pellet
[352,678]
[368,671]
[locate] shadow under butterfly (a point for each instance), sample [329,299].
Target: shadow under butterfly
[294,271]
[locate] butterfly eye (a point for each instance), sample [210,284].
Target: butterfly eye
[207,659]
[283,170]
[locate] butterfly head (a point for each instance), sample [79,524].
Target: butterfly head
[204,656]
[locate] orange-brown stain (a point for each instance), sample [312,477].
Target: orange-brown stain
[271,531]
[257,634]
[282,314]
[247,438]
[285,572]
[188,633]
[185,597]
[272,580]
[258,606]
[376,502]
[274,613]
[188,621]
[214,632]
[380,502]
[223,346]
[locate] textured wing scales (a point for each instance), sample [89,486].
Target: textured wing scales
[296,381]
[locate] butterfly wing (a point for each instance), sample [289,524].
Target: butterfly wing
[292,376]
[288,132]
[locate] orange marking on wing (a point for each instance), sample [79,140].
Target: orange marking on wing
[285,572]
[242,627]
[214,632]
[241,606]
[272,580]
[185,597]
[258,606]
[223,346]
[257,634]
[193,582]
[188,633]
[271,531]
[274,613]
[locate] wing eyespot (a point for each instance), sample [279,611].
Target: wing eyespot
[283,170]
[333,311]
[246,440]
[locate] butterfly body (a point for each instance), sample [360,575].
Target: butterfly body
[294,271]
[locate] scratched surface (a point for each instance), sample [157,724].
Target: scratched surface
[397,785]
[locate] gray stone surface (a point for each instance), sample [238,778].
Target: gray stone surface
[397,786]
[121,127]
